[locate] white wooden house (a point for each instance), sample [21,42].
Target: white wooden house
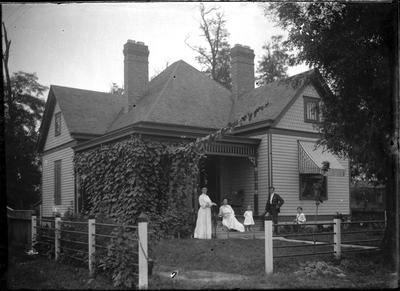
[276,148]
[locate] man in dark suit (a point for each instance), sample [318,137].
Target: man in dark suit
[274,203]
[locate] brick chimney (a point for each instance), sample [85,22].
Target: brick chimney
[242,69]
[136,70]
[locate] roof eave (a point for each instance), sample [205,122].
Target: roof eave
[163,130]
[264,124]
[46,119]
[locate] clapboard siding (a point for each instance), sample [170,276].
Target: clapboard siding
[294,117]
[237,174]
[243,179]
[286,180]
[67,181]
[52,140]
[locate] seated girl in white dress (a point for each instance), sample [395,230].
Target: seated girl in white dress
[228,217]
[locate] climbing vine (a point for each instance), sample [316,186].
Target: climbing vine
[124,178]
[136,175]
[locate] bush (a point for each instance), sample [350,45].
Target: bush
[121,258]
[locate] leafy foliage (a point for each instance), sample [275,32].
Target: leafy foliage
[354,47]
[274,63]
[129,177]
[216,57]
[23,109]
[121,259]
[116,90]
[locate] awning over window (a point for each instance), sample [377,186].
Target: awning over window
[311,160]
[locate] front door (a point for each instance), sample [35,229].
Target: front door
[209,177]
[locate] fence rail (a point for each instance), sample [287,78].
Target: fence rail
[363,231]
[61,250]
[73,222]
[116,225]
[376,249]
[307,234]
[360,241]
[73,241]
[338,245]
[304,254]
[305,245]
[363,221]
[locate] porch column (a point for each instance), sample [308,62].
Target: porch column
[253,160]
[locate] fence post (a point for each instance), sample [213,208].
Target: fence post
[269,259]
[142,245]
[385,220]
[91,244]
[337,237]
[33,230]
[57,233]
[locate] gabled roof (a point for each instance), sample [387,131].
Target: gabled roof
[84,111]
[181,95]
[278,94]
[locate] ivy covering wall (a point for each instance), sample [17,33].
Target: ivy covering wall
[137,175]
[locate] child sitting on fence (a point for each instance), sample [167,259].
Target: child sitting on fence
[248,218]
[300,218]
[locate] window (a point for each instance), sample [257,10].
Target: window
[311,109]
[57,182]
[311,185]
[57,124]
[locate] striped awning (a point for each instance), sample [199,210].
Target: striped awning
[311,160]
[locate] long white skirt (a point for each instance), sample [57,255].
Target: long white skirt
[231,222]
[203,224]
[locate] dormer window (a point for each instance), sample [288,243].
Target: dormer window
[57,124]
[311,109]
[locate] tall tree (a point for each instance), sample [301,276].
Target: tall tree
[23,110]
[354,47]
[115,89]
[275,61]
[215,58]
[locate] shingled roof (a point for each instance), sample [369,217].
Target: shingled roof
[181,95]
[84,111]
[278,94]
[87,111]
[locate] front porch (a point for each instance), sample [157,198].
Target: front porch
[230,171]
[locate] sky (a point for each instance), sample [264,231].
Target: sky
[80,45]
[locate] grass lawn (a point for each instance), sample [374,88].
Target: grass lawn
[246,257]
[38,272]
[239,260]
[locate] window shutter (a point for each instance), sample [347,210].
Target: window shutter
[57,182]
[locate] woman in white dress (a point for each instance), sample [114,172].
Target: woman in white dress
[203,223]
[228,217]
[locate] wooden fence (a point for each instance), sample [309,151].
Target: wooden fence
[19,227]
[340,244]
[55,228]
